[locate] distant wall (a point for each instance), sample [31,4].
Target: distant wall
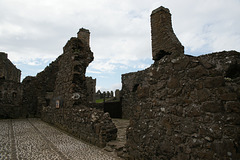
[185,108]
[10,89]
[91,89]
[8,71]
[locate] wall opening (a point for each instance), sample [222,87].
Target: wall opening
[114,109]
[47,102]
[135,87]
[233,71]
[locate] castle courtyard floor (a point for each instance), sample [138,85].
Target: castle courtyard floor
[33,139]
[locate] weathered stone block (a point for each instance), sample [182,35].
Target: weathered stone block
[180,63]
[232,106]
[229,97]
[203,95]
[143,91]
[197,72]
[213,82]
[212,106]
[173,83]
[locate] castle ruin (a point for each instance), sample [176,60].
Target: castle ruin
[181,107]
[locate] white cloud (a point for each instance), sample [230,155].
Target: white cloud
[91,71]
[101,66]
[206,26]
[34,32]
[113,87]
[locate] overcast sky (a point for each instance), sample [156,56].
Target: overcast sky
[33,32]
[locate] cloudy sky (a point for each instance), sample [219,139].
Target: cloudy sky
[33,32]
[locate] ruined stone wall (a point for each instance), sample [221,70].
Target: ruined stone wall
[182,107]
[10,99]
[36,90]
[70,88]
[69,106]
[10,89]
[88,124]
[8,71]
[130,83]
[186,108]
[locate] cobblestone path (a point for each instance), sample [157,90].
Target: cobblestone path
[33,139]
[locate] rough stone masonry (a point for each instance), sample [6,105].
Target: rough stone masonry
[61,95]
[68,107]
[182,107]
[10,89]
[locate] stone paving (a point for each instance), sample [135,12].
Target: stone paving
[117,147]
[26,139]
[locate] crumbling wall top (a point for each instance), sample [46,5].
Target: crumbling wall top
[161,8]
[8,71]
[3,55]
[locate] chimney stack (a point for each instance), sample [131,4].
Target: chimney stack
[164,41]
[84,35]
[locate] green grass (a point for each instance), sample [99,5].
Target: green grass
[106,100]
[99,101]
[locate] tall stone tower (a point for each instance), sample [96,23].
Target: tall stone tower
[164,41]
[84,35]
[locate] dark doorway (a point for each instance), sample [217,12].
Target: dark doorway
[114,109]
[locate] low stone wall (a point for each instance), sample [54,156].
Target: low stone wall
[185,108]
[88,124]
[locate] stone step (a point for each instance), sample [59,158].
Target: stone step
[117,146]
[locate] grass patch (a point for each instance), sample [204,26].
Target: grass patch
[106,100]
[99,101]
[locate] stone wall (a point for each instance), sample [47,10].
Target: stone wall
[8,71]
[130,83]
[10,99]
[186,108]
[10,89]
[68,101]
[37,91]
[88,124]
[91,89]
[60,94]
